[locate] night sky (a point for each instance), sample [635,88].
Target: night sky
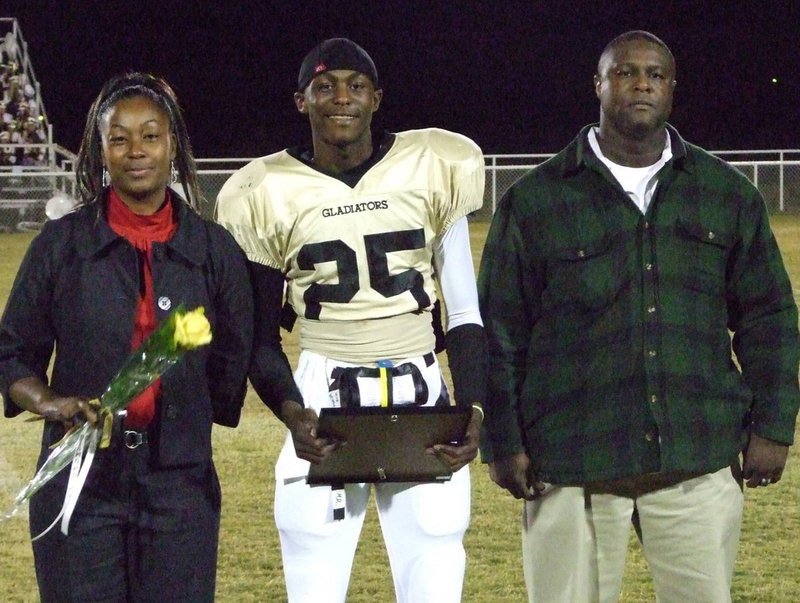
[514,76]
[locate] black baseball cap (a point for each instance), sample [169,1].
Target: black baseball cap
[332,54]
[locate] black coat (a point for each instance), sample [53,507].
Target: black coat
[77,290]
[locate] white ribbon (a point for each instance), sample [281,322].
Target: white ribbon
[77,476]
[89,437]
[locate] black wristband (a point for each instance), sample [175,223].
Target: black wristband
[466,356]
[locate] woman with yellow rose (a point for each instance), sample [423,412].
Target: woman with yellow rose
[94,285]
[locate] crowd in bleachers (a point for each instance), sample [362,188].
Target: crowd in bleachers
[22,122]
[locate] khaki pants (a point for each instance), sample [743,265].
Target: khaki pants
[574,544]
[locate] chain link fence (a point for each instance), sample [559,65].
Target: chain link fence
[24,194]
[777,179]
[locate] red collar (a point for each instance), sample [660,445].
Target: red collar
[141,231]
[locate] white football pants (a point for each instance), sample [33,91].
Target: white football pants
[423,525]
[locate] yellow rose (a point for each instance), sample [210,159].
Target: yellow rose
[192,329]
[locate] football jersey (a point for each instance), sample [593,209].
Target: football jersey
[357,260]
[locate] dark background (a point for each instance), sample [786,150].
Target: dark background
[514,76]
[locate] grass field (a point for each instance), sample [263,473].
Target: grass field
[250,566]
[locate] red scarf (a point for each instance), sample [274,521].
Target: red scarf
[142,232]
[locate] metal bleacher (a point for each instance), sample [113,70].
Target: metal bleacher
[25,189]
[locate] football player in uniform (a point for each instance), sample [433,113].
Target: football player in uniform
[355,231]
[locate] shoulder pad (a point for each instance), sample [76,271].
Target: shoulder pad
[450,146]
[247,178]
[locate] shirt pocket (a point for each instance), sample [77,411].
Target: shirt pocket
[587,276]
[703,256]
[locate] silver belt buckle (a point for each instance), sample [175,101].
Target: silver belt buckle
[133,439]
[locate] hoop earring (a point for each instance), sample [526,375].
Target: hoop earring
[173,173]
[106,177]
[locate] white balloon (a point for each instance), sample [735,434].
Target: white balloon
[60,204]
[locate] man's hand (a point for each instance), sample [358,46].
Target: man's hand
[302,423]
[515,475]
[764,461]
[457,457]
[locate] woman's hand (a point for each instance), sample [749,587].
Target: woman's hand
[33,395]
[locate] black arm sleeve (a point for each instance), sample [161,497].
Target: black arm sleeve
[270,373]
[466,356]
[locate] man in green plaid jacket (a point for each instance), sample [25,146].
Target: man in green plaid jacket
[617,279]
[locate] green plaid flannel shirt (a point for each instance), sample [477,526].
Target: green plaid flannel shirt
[611,332]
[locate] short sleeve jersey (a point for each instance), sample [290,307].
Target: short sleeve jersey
[360,253]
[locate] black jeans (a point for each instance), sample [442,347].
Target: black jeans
[138,533]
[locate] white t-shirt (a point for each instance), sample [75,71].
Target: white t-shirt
[638,182]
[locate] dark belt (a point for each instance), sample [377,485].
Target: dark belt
[345,379]
[639,485]
[130,438]
[133,439]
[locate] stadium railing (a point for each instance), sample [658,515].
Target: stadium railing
[776,173]
[24,191]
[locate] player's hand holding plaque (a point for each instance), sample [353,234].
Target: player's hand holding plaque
[387,444]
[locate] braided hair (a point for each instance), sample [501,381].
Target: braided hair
[89,169]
